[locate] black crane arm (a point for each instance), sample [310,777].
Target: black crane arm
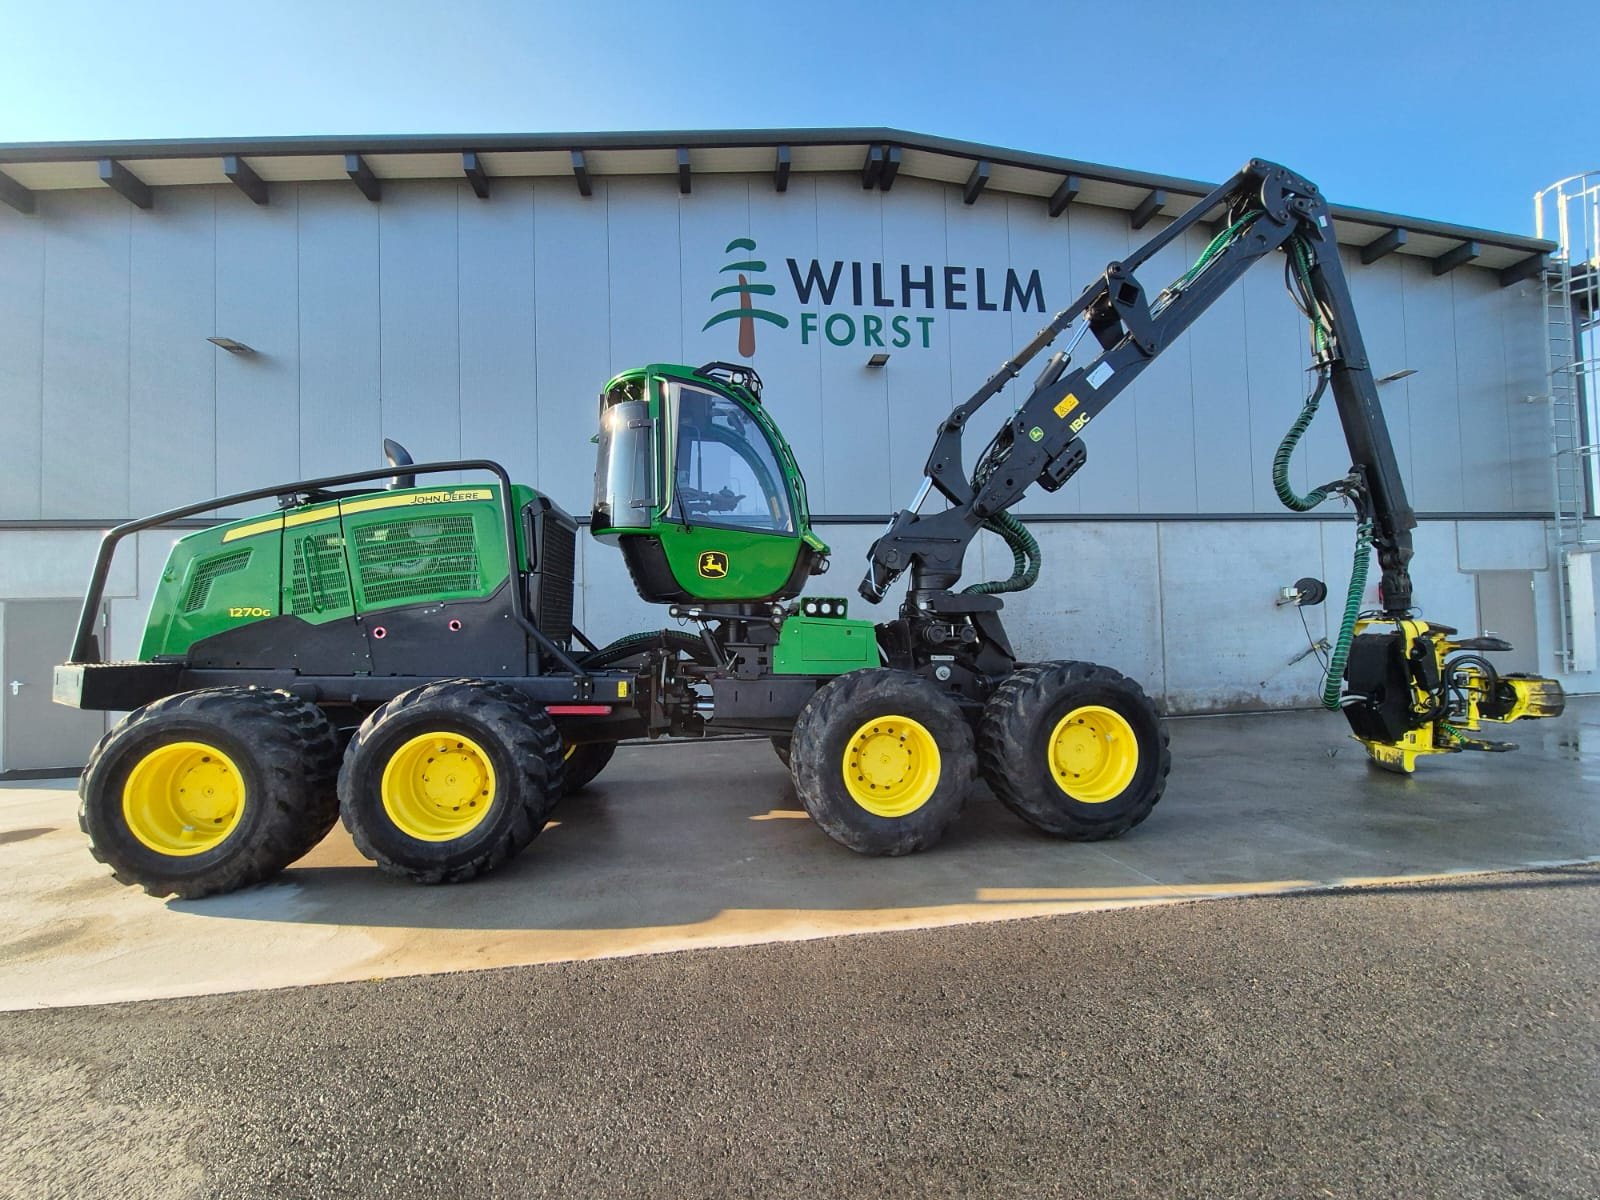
[1265,208]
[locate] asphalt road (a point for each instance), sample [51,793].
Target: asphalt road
[1426,1040]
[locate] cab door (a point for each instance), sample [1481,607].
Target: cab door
[728,516]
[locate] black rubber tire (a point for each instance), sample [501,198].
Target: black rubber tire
[821,736]
[1014,758]
[286,749]
[586,760]
[524,748]
[783,747]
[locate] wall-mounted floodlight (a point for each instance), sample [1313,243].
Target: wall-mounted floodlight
[1393,376]
[880,359]
[231,346]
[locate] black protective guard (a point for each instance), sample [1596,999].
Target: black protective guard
[1376,672]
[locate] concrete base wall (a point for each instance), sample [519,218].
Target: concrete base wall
[1185,607]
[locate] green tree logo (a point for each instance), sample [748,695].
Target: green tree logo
[745,313]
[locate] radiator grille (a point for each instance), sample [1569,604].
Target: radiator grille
[557,550]
[208,573]
[318,580]
[417,558]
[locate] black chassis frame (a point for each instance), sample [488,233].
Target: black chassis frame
[87,681]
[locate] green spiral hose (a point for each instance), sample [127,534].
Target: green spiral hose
[1300,262]
[1280,460]
[1363,556]
[1352,612]
[1025,557]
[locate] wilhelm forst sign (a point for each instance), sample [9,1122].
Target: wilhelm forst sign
[897,298]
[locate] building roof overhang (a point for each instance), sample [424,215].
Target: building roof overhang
[140,169]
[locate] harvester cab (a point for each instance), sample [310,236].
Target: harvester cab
[696,485]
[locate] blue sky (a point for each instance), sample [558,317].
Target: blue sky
[1449,110]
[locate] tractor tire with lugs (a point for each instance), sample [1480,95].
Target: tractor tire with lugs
[206,792]
[583,762]
[450,780]
[882,760]
[1075,749]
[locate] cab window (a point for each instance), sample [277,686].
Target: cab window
[726,472]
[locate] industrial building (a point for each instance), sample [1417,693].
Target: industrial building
[186,319]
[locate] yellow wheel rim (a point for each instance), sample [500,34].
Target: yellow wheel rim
[438,786]
[1093,754]
[183,798]
[891,766]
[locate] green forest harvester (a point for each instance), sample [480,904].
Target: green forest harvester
[406,655]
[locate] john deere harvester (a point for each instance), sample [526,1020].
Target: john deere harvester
[427,628]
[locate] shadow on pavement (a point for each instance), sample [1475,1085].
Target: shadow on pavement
[695,845]
[677,835]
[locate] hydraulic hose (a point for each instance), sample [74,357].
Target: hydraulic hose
[1280,460]
[636,643]
[1213,249]
[1026,557]
[1352,612]
[1363,555]
[1299,275]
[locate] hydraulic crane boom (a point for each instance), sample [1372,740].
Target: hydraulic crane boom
[1399,707]
[1265,206]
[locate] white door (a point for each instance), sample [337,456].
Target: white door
[40,735]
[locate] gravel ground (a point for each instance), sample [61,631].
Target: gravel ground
[1430,1040]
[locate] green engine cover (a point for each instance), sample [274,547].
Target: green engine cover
[323,562]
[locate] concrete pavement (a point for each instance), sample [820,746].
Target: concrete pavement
[691,845]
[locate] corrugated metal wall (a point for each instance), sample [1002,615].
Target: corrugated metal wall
[470,327]
[467,326]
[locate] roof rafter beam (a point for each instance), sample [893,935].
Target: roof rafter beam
[125,183]
[1064,194]
[361,175]
[685,179]
[891,167]
[294,159]
[1383,245]
[1457,256]
[780,171]
[976,182]
[872,168]
[1148,207]
[580,174]
[1528,268]
[14,194]
[472,168]
[242,177]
